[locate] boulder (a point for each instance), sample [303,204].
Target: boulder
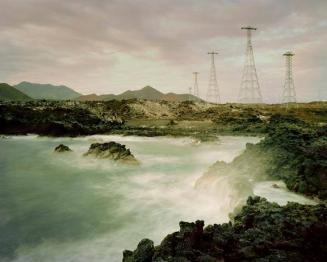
[113,151]
[275,186]
[62,148]
[143,252]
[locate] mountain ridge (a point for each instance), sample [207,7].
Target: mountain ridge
[147,93]
[47,91]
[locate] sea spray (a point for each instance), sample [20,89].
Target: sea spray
[70,208]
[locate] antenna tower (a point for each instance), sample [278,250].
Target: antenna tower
[250,88]
[196,86]
[213,90]
[289,95]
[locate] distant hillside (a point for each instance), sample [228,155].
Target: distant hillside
[47,91]
[9,93]
[148,93]
[90,97]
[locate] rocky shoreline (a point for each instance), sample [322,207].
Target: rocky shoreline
[294,149]
[261,231]
[200,120]
[54,118]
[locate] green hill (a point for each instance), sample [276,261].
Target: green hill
[47,91]
[9,93]
[148,93]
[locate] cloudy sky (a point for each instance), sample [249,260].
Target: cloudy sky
[105,46]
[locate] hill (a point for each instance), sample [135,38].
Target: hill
[148,93]
[47,91]
[90,97]
[9,93]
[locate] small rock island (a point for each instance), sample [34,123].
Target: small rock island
[62,148]
[113,151]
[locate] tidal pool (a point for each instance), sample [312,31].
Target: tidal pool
[66,207]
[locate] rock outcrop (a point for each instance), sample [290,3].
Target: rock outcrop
[143,252]
[56,118]
[113,151]
[292,151]
[62,148]
[262,231]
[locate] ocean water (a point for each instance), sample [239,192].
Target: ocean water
[67,207]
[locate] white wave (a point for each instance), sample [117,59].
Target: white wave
[276,191]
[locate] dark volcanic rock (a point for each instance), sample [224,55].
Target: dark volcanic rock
[262,231]
[56,118]
[143,252]
[62,148]
[113,151]
[292,151]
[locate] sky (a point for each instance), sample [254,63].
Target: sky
[105,46]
